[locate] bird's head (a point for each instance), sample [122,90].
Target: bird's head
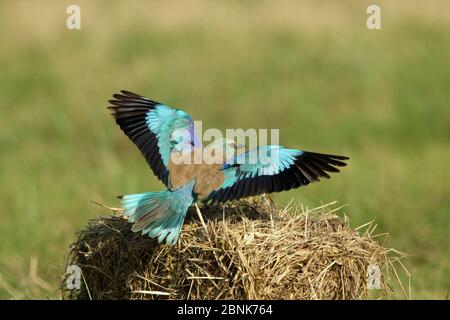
[224,149]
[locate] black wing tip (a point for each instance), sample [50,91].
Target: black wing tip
[115,103]
[317,165]
[129,93]
[328,155]
[125,94]
[344,158]
[334,159]
[125,98]
[120,197]
[326,175]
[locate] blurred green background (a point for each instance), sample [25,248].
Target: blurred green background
[311,69]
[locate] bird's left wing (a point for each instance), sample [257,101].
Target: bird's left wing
[270,169]
[151,126]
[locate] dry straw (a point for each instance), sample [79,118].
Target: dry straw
[244,250]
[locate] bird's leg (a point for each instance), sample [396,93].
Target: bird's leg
[201,218]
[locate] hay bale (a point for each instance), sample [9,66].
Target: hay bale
[251,250]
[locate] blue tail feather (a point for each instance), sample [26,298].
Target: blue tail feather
[159,214]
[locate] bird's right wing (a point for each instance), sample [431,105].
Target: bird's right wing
[270,169]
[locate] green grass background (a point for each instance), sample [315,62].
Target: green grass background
[311,69]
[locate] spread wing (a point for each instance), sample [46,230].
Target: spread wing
[151,126]
[270,169]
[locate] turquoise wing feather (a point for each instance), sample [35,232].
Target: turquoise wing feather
[270,169]
[152,127]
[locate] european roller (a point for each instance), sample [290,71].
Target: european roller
[166,138]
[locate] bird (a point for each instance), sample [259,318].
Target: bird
[165,137]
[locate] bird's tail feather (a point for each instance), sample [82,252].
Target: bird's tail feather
[159,214]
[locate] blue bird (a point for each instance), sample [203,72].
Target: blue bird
[165,136]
